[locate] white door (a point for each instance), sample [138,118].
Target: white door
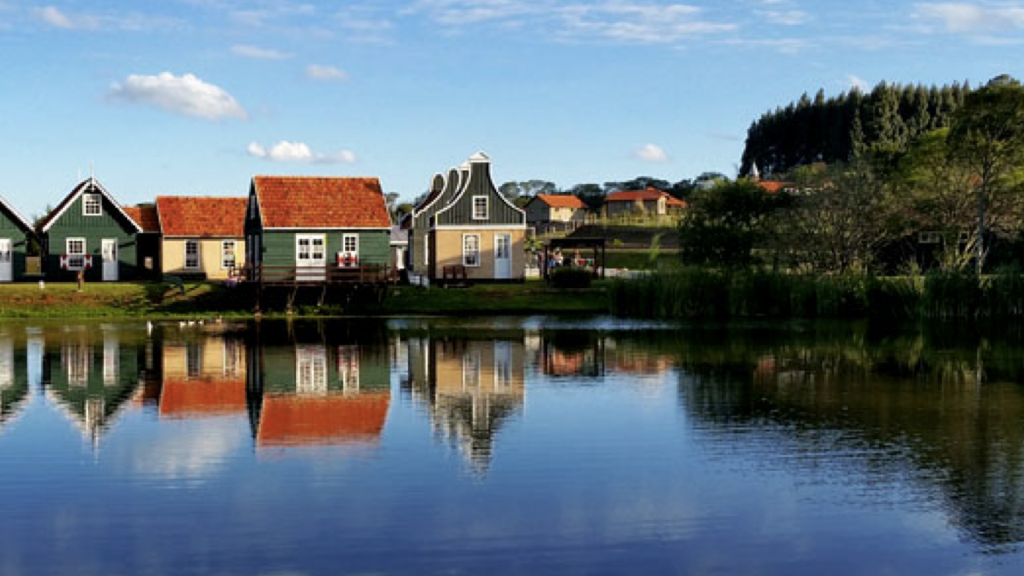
[502,256]
[6,260]
[310,257]
[108,250]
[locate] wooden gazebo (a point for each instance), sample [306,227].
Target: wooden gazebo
[574,252]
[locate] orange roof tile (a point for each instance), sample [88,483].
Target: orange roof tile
[561,200]
[201,215]
[317,202]
[202,397]
[772,187]
[648,195]
[290,420]
[145,217]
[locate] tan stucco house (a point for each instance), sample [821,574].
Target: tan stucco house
[202,236]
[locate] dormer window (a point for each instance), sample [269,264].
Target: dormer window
[92,205]
[479,207]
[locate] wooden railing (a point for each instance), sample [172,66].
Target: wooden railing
[318,274]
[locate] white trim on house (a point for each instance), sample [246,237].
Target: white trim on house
[234,254]
[486,206]
[67,252]
[481,226]
[479,251]
[17,215]
[78,191]
[199,255]
[478,158]
[94,200]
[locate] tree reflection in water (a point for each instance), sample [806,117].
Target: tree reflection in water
[944,406]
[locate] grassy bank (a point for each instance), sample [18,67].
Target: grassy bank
[144,300]
[703,293]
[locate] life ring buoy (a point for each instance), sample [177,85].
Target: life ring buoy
[346,259]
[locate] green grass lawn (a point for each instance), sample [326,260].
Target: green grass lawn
[154,299]
[638,259]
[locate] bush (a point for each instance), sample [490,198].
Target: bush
[570,277]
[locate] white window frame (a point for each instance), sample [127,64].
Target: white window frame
[79,257]
[199,260]
[467,253]
[485,205]
[92,199]
[224,252]
[355,243]
[929,237]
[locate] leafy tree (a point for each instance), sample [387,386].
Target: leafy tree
[987,135]
[838,221]
[591,194]
[723,224]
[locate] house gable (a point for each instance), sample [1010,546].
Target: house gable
[71,212]
[478,185]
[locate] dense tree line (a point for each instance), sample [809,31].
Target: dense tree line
[945,197]
[838,128]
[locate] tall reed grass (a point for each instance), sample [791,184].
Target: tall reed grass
[693,292]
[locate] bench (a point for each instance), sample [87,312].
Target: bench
[454,275]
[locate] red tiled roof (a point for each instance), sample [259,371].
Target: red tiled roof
[309,202]
[289,420]
[145,217]
[772,187]
[561,200]
[201,216]
[648,195]
[205,397]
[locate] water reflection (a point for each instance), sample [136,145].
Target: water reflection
[469,386]
[586,445]
[944,410]
[309,385]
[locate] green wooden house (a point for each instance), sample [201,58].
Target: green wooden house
[15,232]
[311,228]
[89,231]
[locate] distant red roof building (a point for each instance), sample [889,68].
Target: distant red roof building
[561,200]
[321,202]
[145,216]
[291,420]
[201,216]
[648,195]
[772,187]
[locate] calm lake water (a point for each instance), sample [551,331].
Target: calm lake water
[508,446]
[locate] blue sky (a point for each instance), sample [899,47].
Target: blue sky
[195,97]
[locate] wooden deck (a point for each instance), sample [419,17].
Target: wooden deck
[317,275]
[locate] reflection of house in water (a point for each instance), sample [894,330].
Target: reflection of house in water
[470,386]
[317,393]
[92,376]
[13,379]
[203,377]
[573,353]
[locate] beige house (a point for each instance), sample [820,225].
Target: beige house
[649,202]
[465,226]
[545,208]
[202,236]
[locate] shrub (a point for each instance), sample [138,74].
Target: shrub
[570,277]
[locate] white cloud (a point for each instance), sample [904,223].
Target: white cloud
[54,17]
[323,72]
[130,22]
[972,18]
[650,153]
[185,94]
[635,22]
[854,81]
[786,17]
[619,21]
[258,53]
[298,152]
